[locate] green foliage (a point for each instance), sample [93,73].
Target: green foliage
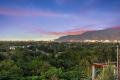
[53,61]
[9,70]
[107,74]
[38,66]
[53,74]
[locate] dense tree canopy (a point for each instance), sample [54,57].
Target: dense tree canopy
[52,60]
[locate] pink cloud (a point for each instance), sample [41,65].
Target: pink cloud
[68,32]
[115,27]
[26,12]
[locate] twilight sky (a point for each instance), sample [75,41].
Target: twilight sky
[49,19]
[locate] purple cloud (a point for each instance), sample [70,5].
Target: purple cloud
[26,12]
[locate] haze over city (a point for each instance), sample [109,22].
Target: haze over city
[50,19]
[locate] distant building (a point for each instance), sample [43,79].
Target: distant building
[14,47]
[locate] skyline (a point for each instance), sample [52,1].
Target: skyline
[50,19]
